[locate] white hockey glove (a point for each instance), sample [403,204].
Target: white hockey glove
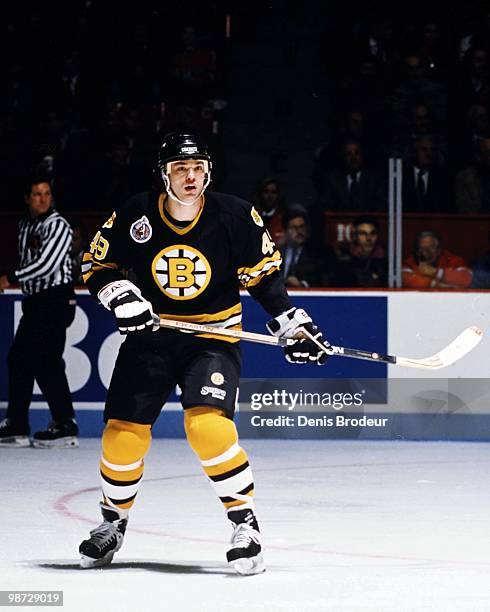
[133,313]
[290,324]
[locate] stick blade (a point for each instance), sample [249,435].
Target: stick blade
[467,340]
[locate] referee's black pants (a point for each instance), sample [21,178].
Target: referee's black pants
[36,354]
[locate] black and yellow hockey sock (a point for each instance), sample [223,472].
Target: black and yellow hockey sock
[214,439]
[124,445]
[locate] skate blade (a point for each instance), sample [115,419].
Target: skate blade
[89,563]
[68,442]
[16,442]
[248,566]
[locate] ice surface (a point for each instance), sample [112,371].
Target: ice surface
[347,526]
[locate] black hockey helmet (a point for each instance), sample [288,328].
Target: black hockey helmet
[182,145]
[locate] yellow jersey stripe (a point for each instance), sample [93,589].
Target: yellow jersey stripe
[276,257]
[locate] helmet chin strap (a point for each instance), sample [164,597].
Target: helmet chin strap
[171,193]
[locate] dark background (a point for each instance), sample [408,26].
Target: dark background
[280,76]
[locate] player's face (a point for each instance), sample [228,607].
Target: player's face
[40,199]
[187,178]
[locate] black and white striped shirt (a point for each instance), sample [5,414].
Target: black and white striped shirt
[44,250]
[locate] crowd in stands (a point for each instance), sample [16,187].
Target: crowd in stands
[418,90]
[91,109]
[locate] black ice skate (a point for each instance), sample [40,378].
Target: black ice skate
[104,541]
[11,435]
[57,435]
[245,554]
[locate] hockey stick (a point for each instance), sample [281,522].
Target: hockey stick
[458,348]
[455,350]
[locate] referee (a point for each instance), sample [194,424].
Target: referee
[48,309]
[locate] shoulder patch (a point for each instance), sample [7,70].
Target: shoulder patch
[256,217]
[141,230]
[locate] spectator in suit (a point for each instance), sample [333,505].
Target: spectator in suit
[301,267]
[354,186]
[424,185]
[362,262]
[431,266]
[343,125]
[351,123]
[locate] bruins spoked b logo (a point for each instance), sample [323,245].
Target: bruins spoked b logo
[181,272]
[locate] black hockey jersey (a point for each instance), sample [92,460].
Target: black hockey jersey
[190,273]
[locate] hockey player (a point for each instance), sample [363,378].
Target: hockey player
[189,253]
